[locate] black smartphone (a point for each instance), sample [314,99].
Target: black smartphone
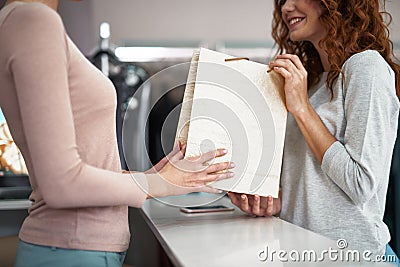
[205,209]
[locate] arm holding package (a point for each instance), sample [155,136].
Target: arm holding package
[360,163]
[40,71]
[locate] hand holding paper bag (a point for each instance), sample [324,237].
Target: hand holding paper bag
[176,175]
[239,106]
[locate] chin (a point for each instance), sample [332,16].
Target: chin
[297,37]
[294,39]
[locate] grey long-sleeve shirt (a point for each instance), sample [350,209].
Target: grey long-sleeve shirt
[345,196]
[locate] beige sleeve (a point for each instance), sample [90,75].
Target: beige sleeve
[39,68]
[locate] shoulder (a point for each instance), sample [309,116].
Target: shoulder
[367,73]
[31,16]
[31,28]
[367,63]
[29,23]
[34,10]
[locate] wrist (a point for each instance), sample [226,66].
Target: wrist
[158,187]
[303,114]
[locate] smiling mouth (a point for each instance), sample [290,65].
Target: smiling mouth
[295,20]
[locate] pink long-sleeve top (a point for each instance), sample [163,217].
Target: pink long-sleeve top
[61,113]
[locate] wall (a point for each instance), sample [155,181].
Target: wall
[206,20]
[182,20]
[178,20]
[77,18]
[393,6]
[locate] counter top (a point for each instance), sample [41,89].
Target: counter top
[231,238]
[12,214]
[15,204]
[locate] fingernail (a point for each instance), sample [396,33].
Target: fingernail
[232,165]
[225,151]
[243,197]
[219,191]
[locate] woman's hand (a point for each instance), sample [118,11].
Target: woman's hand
[182,176]
[156,168]
[295,75]
[314,131]
[256,205]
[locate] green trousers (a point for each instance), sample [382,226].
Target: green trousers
[30,255]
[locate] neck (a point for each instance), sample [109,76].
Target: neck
[323,56]
[324,59]
[50,3]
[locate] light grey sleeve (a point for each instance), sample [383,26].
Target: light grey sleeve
[361,162]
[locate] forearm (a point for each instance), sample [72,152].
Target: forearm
[87,186]
[315,133]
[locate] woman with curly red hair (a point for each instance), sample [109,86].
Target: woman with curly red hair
[341,83]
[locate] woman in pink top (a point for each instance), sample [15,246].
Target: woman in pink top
[61,113]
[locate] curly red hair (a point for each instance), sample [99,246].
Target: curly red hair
[353,26]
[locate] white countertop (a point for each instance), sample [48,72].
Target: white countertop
[15,204]
[230,239]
